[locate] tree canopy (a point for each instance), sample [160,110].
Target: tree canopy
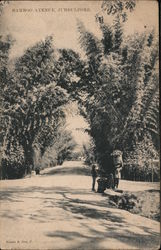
[32,103]
[116,87]
[121,90]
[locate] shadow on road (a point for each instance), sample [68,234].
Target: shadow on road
[112,224]
[63,170]
[99,241]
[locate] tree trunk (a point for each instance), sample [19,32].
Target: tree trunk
[29,158]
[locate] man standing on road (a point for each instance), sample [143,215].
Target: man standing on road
[118,164]
[117,175]
[94,176]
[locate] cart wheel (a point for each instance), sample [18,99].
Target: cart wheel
[100,190]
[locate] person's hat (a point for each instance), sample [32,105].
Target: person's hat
[116,153]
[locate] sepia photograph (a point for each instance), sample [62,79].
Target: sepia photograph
[79,125]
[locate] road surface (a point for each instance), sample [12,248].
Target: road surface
[58,210]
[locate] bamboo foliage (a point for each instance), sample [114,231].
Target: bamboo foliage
[123,93]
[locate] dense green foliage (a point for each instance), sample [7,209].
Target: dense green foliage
[89,153]
[121,92]
[116,87]
[60,149]
[32,107]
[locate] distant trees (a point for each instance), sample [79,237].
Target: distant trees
[61,148]
[64,145]
[89,153]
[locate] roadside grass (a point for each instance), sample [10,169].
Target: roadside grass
[145,203]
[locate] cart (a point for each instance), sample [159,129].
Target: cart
[105,183]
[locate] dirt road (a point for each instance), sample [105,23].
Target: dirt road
[57,210]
